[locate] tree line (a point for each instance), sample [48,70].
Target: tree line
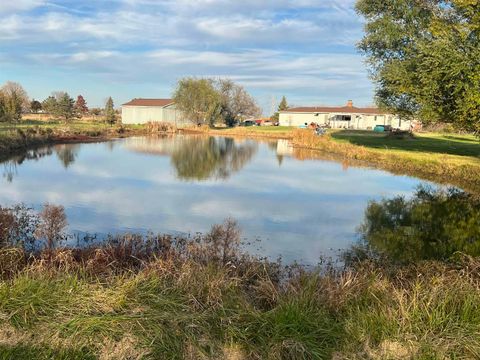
[201,100]
[14,102]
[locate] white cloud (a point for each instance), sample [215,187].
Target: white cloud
[7,6]
[303,49]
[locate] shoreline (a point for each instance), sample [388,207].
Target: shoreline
[17,142]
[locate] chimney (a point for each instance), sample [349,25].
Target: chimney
[350,103]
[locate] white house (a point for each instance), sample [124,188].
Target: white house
[141,111]
[344,117]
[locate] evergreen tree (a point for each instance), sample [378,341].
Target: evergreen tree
[49,105]
[61,105]
[65,107]
[281,107]
[110,116]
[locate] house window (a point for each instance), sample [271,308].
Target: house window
[344,117]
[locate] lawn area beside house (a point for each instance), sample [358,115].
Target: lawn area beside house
[451,144]
[442,158]
[277,132]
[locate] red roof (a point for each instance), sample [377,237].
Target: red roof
[149,102]
[340,109]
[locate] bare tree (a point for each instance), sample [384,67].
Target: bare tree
[223,240]
[14,101]
[237,103]
[52,226]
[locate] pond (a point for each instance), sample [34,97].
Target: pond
[289,207]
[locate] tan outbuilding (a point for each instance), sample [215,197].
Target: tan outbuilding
[142,111]
[343,117]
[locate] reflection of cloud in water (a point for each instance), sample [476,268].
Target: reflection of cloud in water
[298,209]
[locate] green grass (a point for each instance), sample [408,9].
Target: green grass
[202,298]
[461,145]
[255,128]
[42,353]
[54,124]
[190,310]
[31,133]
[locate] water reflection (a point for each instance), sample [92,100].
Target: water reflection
[10,166]
[433,224]
[67,153]
[300,210]
[199,158]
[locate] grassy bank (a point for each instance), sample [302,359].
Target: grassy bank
[159,297]
[108,303]
[32,133]
[430,156]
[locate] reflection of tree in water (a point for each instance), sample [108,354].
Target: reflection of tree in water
[9,170]
[205,158]
[10,166]
[67,154]
[434,224]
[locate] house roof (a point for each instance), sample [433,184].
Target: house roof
[149,102]
[339,109]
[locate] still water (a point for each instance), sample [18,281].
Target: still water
[298,209]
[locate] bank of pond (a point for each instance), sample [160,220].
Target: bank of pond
[409,286]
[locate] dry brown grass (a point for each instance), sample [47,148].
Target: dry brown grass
[160,127]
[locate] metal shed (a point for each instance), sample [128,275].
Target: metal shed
[142,111]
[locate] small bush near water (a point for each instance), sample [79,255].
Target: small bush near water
[158,297]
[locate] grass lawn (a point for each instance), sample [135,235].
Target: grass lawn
[254,130]
[452,144]
[72,126]
[30,133]
[269,128]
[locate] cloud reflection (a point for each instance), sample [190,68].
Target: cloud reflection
[300,209]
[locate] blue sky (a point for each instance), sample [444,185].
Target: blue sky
[303,49]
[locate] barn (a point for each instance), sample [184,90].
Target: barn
[342,117]
[141,111]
